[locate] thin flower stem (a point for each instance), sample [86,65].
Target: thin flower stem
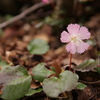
[70,60]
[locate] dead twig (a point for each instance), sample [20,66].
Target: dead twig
[22,15]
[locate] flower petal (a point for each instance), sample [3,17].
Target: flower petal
[82,47]
[45,1]
[71,47]
[65,37]
[84,33]
[73,28]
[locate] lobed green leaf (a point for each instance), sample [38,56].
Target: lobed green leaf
[40,72]
[16,82]
[16,89]
[53,86]
[87,65]
[38,46]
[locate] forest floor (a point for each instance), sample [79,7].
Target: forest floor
[13,49]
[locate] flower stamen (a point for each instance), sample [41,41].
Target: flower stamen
[75,39]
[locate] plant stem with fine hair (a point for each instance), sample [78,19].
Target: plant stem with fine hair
[70,60]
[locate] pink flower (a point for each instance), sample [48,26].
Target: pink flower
[45,1]
[74,38]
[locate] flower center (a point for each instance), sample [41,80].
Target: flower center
[75,39]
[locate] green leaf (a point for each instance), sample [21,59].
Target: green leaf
[16,82]
[53,86]
[80,86]
[33,91]
[53,69]
[40,72]
[16,89]
[98,69]
[87,65]
[15,70]
[3,63]
[10,73]
[38,46]
[98,54]
[52,21]
[48,20]
[56,22]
